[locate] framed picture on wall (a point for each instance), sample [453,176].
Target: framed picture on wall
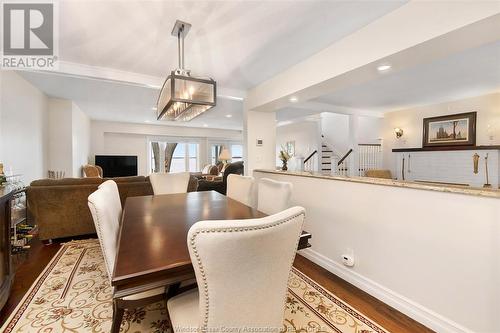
[452,130]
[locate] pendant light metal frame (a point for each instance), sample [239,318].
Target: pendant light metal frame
[173,77]
[180,31]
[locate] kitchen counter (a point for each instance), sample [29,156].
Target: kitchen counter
[482,192]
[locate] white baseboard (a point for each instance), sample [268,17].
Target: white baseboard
[410,308]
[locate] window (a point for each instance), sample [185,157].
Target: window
[193,157]
[215,152]
[236,153]
[179,158]
[235,148]
[184,157]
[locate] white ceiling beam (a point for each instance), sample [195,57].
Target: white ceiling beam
[319,107]
[123,77]
[406,28]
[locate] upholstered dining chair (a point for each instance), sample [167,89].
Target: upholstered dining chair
[258,253]
[273,196]
[240,188]
[106,210]
[169,183]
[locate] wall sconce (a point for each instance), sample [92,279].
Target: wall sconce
[399,132]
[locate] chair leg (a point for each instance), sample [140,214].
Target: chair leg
[173,290]
[117,317]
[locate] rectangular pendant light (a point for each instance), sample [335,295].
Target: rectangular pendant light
[184,97]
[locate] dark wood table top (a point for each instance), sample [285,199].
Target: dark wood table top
[153,234]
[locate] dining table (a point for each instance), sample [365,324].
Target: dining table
[152,245]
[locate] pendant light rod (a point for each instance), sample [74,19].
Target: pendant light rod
[180,47]
[183,97]
[180,31]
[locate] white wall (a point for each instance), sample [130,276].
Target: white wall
[69,137]
[431,255]
[23,127]
[410,120]
[335,129]
[115,138]
[305,134]
[38,133]
[81,140]
[369,130]
[259,126]
[60,143]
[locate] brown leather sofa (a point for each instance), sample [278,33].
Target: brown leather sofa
[59,206]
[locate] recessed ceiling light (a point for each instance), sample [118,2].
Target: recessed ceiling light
[384,67]
[294,99]
[147,121]
[205,125]
[229,115]
[154,108]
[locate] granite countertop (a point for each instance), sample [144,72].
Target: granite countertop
[492,193]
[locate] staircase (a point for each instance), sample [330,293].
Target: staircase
[326,158]
[367,157]
[332,162]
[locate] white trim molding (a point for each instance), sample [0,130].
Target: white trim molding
[410,308]
[77,70]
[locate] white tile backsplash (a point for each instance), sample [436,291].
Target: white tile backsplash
[449,166]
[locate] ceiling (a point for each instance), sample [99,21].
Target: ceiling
[466,74]
[113,101]
[238,43]
[470,73]
[241,44]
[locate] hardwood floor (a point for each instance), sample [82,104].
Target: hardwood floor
[393,320]
[386,316]
[27,272]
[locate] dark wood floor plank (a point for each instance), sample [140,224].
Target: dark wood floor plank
[27,272]
[393,320]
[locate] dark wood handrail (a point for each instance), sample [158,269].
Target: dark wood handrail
[345,156]
[309,157]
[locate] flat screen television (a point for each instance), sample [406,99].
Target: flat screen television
[117,166]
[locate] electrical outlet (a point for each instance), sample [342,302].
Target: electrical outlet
[348,260]
[348,257]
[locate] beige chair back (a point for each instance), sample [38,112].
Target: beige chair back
[92,171]
[242,269]
[273,196]
[378,173]
[240,188]
[106,210]
[169,183]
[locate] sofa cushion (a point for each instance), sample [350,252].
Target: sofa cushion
[86,181]
[131,179]
[66,181]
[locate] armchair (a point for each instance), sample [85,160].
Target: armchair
[221,185]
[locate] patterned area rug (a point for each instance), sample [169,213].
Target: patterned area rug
[73,295]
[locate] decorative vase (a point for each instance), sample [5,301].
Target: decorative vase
[284,167]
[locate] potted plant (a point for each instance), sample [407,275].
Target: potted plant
[284,157]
